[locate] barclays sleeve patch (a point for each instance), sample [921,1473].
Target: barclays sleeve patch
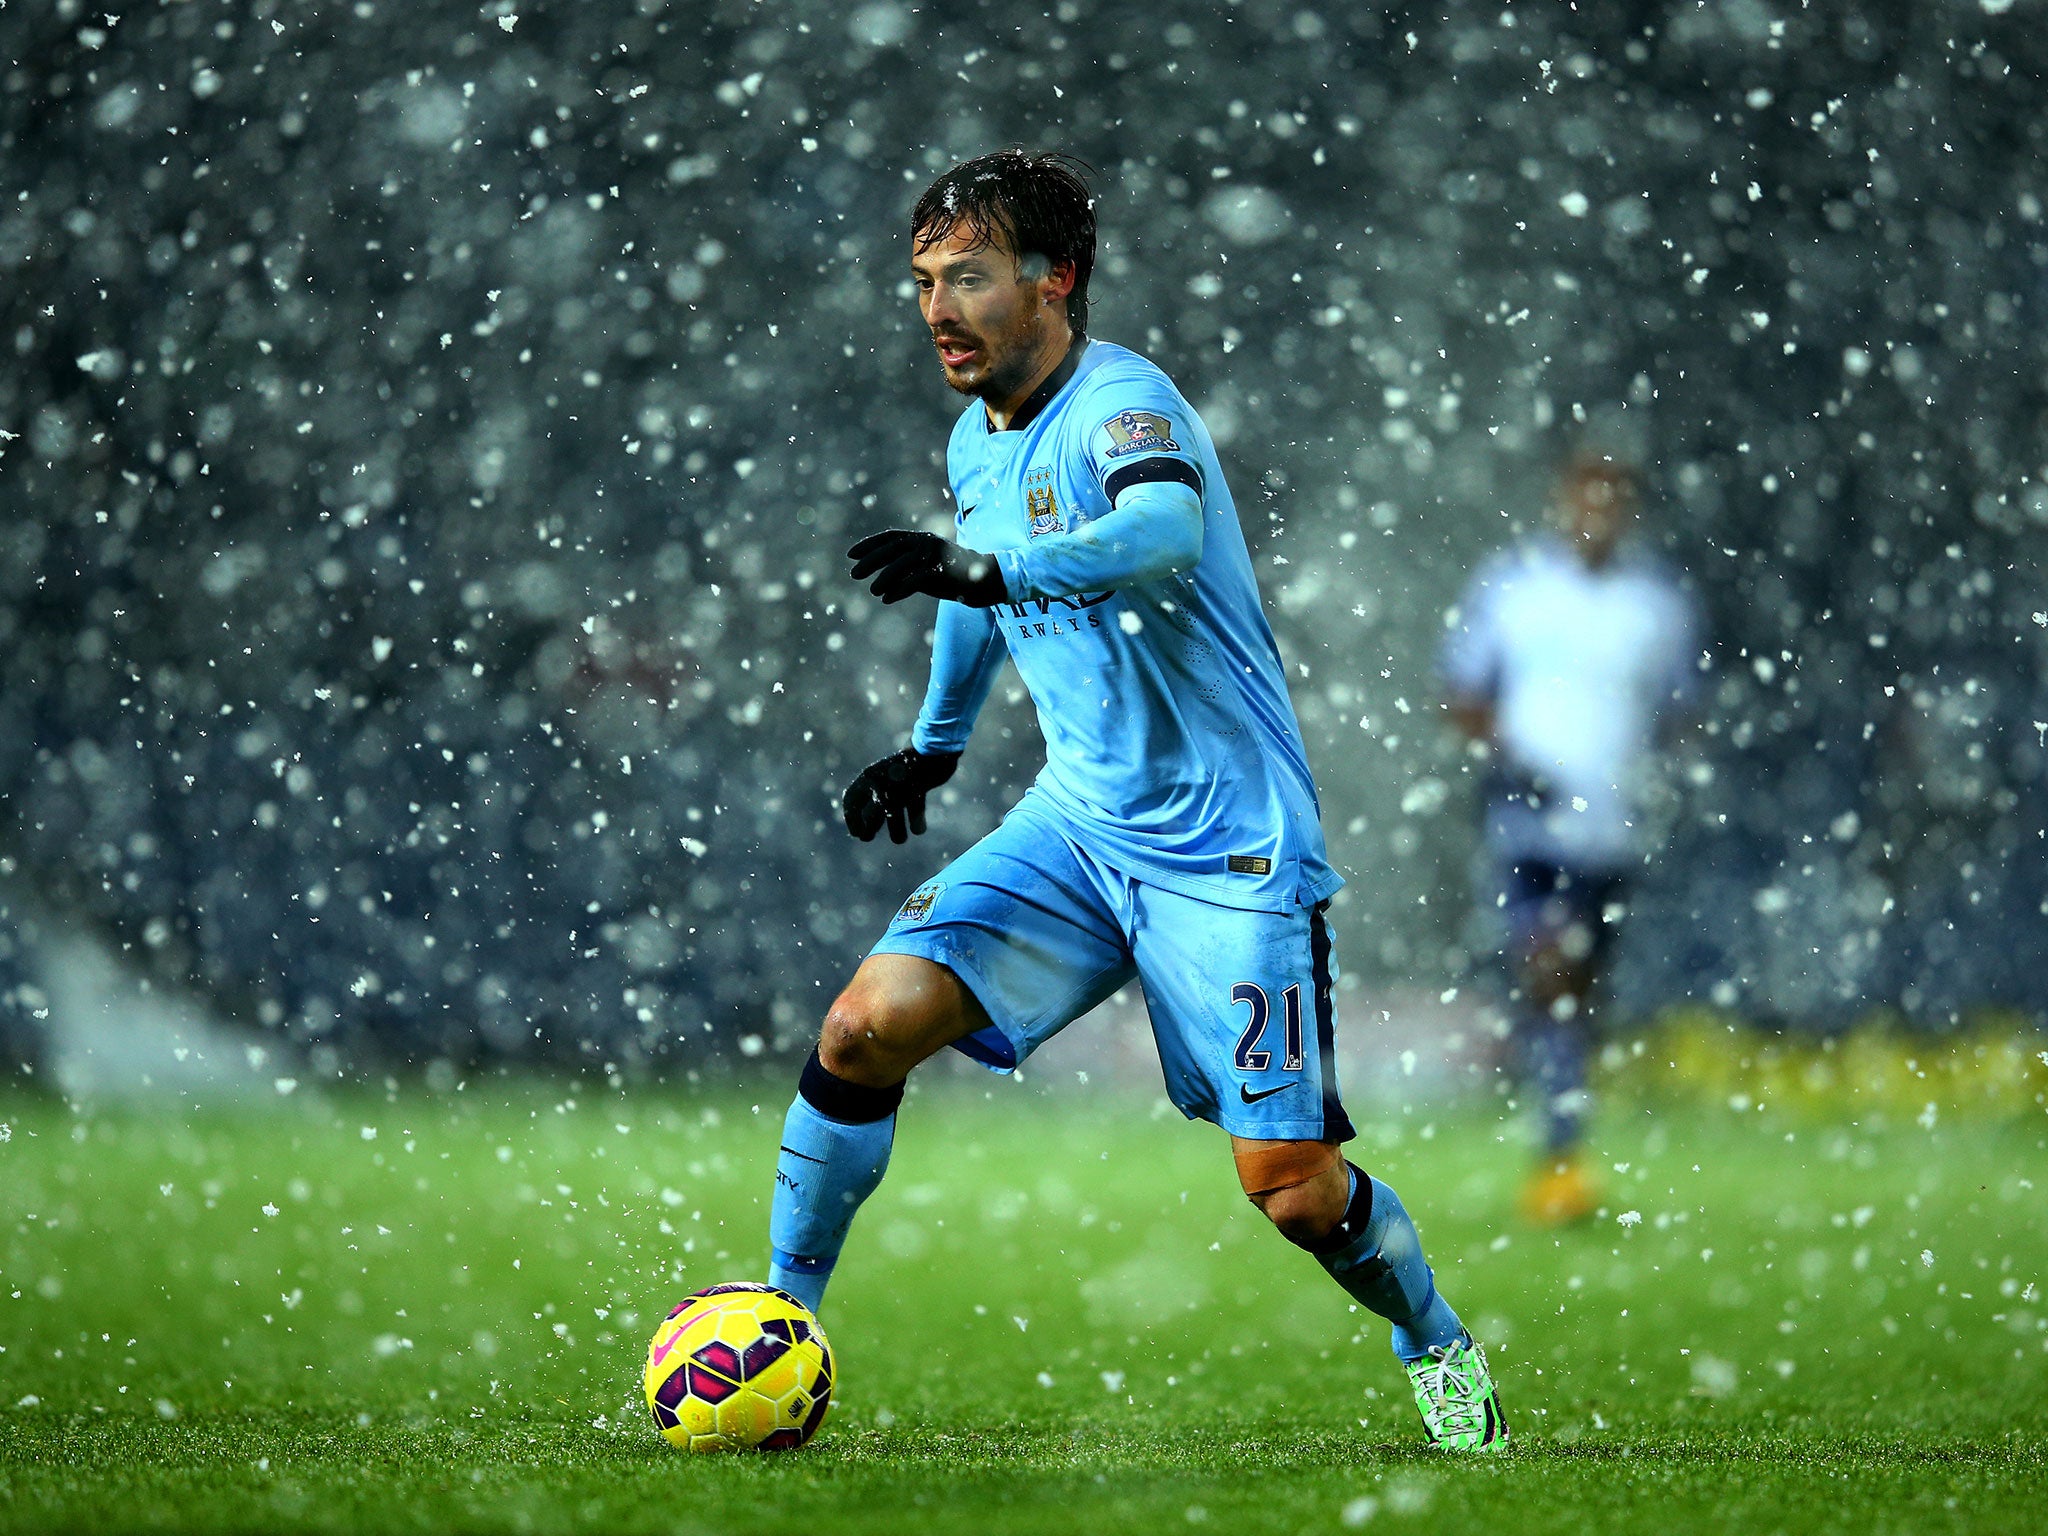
[1139,432]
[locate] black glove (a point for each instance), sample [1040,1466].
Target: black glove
[893,791]
[909,562]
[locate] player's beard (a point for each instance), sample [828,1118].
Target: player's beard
[1006,359]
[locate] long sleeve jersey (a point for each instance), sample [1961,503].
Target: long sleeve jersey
[1172,750]
[1581,667]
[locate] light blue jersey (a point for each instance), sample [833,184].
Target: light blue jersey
[1172,750]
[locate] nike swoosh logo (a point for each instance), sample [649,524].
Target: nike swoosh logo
[792,1151]
[967,512]
[1252,1098]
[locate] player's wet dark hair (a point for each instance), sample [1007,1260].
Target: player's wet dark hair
[1037,205]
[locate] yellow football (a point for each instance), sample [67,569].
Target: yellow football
[739,1367]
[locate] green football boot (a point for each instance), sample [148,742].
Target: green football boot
[1454,1390]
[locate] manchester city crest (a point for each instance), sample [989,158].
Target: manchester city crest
[919,906]
[1041,511]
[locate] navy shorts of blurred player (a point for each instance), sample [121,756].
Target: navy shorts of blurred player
[1547,907]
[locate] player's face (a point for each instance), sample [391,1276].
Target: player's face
[1597,508]
[991,322]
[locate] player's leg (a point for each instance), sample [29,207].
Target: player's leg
[1011,942]
[1557,920]
[1556,977]
[1243,1007]
[836,1138]
[1523,897]
[1357,1229]
[897,1011]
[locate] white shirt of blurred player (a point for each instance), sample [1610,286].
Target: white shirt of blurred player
[1581,665]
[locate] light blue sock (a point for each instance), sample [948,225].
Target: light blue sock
[826,1169]
[1382,1269]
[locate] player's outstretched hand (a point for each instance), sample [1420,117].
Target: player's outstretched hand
[891,793]
[905,562]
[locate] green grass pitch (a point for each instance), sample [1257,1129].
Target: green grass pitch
[421,1313]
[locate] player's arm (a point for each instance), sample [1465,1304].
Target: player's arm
[1472,717]
[1153,530]
[1140,452]
[1684,681]
[1469,664]
[967,652]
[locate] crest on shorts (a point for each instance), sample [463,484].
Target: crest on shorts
[919,906]
[1139,432]
[1040,509]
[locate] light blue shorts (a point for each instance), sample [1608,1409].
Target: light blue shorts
[1241,1002]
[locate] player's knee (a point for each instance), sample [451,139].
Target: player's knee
[896,1011]
[853,1043]
[1303,1213]
[875,1034]
[1566,994]
[1301,1186]
[1548,974]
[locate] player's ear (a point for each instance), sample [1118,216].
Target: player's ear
[1058,282]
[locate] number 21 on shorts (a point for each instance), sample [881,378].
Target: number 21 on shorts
[1249,1057]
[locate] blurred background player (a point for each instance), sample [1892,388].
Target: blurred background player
[1173,836]
[1570,659]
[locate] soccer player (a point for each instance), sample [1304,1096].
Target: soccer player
[1568,657]
[1173,835]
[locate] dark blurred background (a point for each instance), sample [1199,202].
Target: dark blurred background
[431,431]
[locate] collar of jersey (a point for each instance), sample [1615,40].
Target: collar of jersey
[1626,557]
[1041,397]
